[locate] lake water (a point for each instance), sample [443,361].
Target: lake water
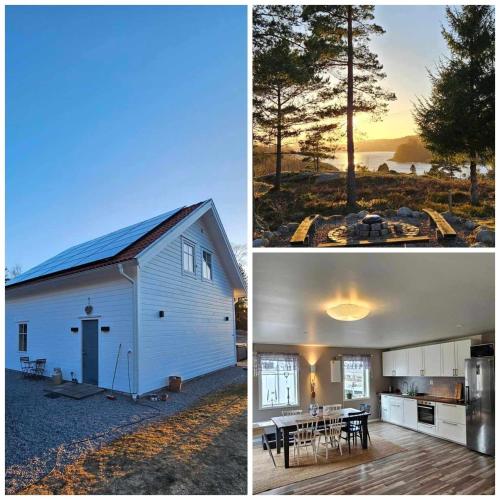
[373,159]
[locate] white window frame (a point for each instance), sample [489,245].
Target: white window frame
[279,406]
[25,334]
[185,241]
[203,277]
[367,385]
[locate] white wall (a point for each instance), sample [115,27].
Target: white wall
[51,314]
[193,338]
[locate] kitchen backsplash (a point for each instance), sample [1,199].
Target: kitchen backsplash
[443,387]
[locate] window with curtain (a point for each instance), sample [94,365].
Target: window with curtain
[278,379]
[356,375]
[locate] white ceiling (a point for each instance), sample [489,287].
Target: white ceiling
[414,297]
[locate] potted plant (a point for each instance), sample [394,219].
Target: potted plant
[348,394]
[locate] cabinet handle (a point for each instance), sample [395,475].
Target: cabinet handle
[449,423]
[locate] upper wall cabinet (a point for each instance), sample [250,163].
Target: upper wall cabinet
[401,362]
[462,352]
[436,360]
[388,364]
[432,360]
[415,362]
[453,356]
[395,363]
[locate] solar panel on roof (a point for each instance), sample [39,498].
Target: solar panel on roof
[100,248]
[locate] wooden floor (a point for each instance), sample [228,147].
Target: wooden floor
[429,466]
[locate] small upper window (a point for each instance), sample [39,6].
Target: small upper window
[207,271]
[23,337]
[188,257]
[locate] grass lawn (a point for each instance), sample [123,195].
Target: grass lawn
[201,450]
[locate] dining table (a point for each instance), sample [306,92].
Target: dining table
[288,423]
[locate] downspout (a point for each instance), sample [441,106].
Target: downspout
[135,332]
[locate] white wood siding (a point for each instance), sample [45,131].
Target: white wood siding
[50,316]
[193,338]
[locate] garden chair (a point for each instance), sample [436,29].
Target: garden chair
[39,368]
[25,366]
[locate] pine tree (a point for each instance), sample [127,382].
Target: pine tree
[340,36]
[289,95]
[458,119]
[319,144]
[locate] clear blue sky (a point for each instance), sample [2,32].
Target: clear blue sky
[118,114]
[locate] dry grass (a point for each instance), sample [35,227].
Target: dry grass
[201,450]
[375,191]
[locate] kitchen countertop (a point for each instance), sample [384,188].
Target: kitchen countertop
[426,397]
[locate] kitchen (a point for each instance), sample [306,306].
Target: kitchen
[404,343]
[460,407]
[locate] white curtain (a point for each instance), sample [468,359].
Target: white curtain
[287,361]
[358,361]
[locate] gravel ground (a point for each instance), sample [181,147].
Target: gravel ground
[42,433]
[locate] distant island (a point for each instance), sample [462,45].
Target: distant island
[406,149]
[413,150]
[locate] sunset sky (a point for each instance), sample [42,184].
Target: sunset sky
[412,43]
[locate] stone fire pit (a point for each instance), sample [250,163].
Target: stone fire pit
[373,227]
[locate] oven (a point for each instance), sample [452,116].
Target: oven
[426,411]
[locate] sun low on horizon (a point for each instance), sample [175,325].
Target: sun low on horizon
[411,45]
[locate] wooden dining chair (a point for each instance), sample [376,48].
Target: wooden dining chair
[305,436]
[259,431]
[367,409]
[353,428]
[331,432]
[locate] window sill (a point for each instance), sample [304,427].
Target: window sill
[356,399]
[280,407]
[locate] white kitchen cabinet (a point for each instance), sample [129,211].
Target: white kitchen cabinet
[453,356]
[415,362]
[462,352]
[384,402]
[396,411]
[427,428]
[410,413]
[401,362]
[388,364]
[395,363]
[451,422]
[450,412]
[432,360]
[449,418]
[448,359]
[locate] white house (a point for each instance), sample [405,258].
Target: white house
[164,289]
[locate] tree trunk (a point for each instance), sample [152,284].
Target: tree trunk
[351,175]
[277,177]
[474,193]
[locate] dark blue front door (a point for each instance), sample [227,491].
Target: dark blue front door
[90,352]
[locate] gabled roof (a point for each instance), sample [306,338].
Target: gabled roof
[118,246]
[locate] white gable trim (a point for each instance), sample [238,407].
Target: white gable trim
[162,242]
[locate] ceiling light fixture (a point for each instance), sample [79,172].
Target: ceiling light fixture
[348,312]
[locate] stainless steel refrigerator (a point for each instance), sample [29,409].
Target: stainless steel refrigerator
[480,404]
